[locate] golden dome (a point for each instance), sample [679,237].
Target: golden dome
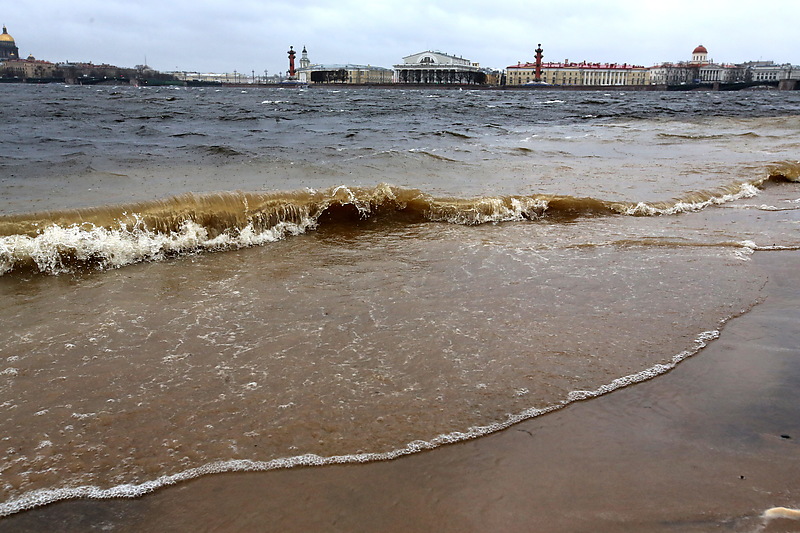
[5,37]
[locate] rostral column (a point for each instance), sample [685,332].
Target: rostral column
[539,63]
[292,53]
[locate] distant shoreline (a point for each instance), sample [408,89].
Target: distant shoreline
[723,87]
[630,88]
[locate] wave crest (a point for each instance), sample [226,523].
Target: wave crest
[114,236]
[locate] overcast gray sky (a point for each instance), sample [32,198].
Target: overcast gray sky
[251,35]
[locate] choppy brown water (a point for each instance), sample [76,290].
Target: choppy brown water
[200,331]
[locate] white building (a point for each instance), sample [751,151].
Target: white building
[670,74]
[700,69]
[431,67]
[769,71]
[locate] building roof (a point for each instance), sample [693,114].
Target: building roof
[30,59]
[700,50]
[346,66]
[5,37]
[433,59]
[582,65]
[435,52]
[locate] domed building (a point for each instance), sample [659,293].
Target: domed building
[8,48]
[699,55]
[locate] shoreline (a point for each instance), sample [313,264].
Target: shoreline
[703,87]
[713,443]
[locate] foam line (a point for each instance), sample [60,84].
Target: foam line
[41,497]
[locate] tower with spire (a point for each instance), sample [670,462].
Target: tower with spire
[304,61]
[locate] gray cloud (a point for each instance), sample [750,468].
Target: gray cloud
[218,36]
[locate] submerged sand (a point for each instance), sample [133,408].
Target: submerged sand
[707,447]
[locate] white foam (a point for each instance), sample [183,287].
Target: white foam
[746,190]
[114,248]
[782,512]
[748,247]
[766,207]
[41,497]
[492,210]
[83,416]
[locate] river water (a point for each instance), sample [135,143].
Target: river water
[209,280]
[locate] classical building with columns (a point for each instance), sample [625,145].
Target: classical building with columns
[700,69]
[577,74]
[436,68]
[574,74]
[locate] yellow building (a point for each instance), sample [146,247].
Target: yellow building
[578,74]
[27,68]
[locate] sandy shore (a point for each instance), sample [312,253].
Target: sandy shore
[707,447]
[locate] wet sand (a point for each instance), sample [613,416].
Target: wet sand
[706,447]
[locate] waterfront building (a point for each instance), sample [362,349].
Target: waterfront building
[709,72]
[577,74]
[671,74]
[8,47]
[700,69]
[341,73]
[345,73]
[493,76]
[769,71]
[431,67]
[30,68]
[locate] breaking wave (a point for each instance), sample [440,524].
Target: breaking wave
[115,236]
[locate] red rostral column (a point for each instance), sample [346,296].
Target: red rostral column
[539,63]
[292,53]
